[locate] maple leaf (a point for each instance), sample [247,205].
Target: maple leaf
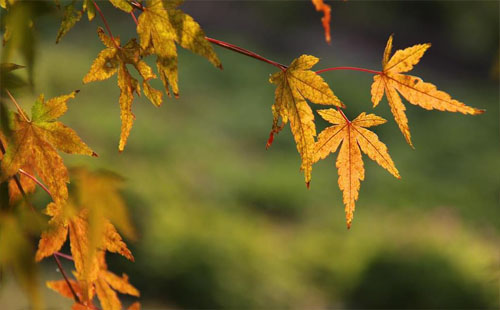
[413,89]
[159,27]
[33,143]
[28,185]
[294,85]
[115,58]
[319,5]
[94,202]
[83,251]
[106,285]
[123,5]
[72,15]
[354,138]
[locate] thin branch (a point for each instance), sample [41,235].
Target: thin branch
[134,18]
[66,256]
[348,68]
[105,23]
[137,5]
[37,182]
[17,106]
[246,52]
[75,296]
[343,115]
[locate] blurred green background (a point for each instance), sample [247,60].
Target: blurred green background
[224,223]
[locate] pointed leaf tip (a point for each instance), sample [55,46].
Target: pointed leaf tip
[270,140]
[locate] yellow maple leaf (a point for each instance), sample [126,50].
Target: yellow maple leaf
[106,285]
[293,86]
[413,89]
[114,58]
[34,142]
[159,27]
[354,138]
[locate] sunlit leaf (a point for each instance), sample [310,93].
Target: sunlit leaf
[160,27]
[113,59]
[354,138]
[391,82]
[293,86]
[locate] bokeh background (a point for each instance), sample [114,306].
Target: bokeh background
[223,223]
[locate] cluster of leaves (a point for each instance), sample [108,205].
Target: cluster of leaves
[297,83]
[89,211]
[160,26]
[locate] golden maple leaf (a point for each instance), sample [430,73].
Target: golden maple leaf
[105,287]
[354,138]
[33,143]
[159,27]
[413,89]
[294,85]
[114,58]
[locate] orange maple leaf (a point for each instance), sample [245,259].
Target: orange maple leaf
[105,286]
[354,138]
[416,91]
[83,251]
[319,5]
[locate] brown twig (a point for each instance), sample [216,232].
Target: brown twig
[246,52]
[105,23]
[73,292]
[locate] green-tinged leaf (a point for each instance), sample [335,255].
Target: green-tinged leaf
[123,5]
[34,142]
[70,18]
